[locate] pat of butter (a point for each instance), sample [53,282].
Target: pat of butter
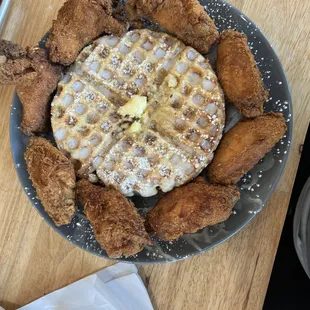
[172,81]
[135,107]
[135,127]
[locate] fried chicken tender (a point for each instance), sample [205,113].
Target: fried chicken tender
[118,227]
[187,19]
[191,207]
[239,75]
[244,145]
[35,79]
[53,177]
[77,24]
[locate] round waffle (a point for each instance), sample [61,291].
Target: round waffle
[168,142]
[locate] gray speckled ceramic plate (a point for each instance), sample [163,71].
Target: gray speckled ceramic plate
[256,187]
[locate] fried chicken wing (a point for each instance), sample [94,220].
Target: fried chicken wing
[239,75]
[191,207]
[117,225]
[35,79]
[53,177]
[77,24]
[244,145]
[187,19]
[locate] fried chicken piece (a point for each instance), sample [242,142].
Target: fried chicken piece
[53,177]
[191,207]
[35,92]
[118,227]
[244,145]
[35,79]
[11,50]
[16,62]
[187,19]
[239,75]
[77,24]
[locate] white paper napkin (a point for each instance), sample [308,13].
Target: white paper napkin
[118,287]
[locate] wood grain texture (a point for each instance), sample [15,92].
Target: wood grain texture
[34,260]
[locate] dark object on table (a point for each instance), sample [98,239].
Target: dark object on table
[302,227]
[289,284]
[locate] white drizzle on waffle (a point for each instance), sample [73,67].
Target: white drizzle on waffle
[175,137]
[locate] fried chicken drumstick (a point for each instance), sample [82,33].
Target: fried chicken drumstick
[53,177]
[78,23]
[239,75]
[117,225]
[191,207]
[35,79]
[187,19]
[244,145]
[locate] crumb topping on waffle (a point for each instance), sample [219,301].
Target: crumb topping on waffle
[174,136]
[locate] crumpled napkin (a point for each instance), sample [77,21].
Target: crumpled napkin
[118,287]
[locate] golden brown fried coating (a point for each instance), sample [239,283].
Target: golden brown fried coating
[187,19]
[244,145]
[117,225]
[53,177]
[35,92]
[13,62]
[191,207]
[35,79]
[10,50]
[77,24]
[239,75]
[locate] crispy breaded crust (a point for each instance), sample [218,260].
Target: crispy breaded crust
[53,177]
[117,225]
[35,79]
[35,92]
[244,145]
[239,75]
[187,19]
[191,207]
[14,63]
[10,50]
[78,23]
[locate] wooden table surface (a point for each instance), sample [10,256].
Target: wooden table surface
[34,260]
